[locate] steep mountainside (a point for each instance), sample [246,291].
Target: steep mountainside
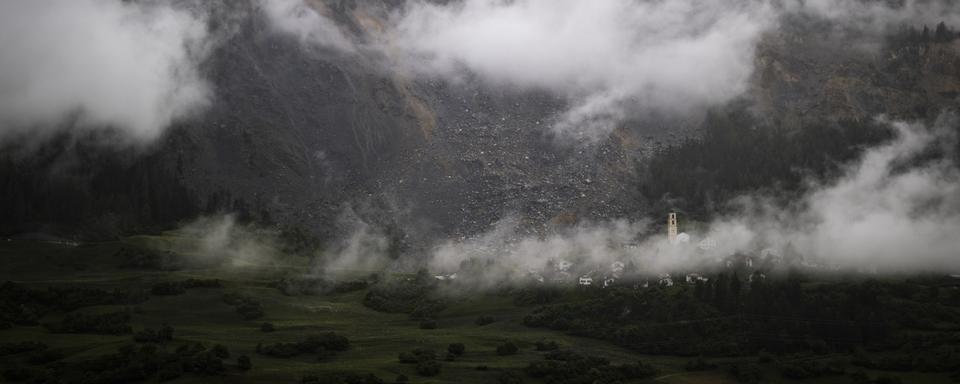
[297,133]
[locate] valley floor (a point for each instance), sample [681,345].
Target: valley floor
[376,338]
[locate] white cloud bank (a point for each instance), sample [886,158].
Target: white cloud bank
[606,57]
[308,23]
[610,59]
[131,66]
[890,209]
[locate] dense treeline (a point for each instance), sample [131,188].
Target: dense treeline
[131,363]
[563,367]
[941,33]
[416,296]
[78,187]
[324,345]
[915,320]
[171,288]
[736,155]
[71,186]
[114,323]
[247,307]
[21,305]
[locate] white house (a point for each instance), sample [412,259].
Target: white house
[665,280]
[586,280]
[617,266]
[564,265]
[707,244]
[756,276]
[452,276]
[693,278]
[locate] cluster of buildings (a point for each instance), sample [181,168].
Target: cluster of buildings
[607,276]
[751,265]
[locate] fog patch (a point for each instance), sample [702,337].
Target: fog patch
[896,209]
[131,67]
[309,22]
[222,240]
[606,57]
[363,245]
[611,60]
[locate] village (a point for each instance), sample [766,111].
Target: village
[627,271]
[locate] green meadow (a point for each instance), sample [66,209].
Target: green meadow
[376,338]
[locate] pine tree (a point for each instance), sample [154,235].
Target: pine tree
[942,35]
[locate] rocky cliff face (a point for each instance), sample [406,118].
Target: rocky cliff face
[299,133]
[808,71]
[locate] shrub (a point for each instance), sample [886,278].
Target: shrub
[639,370]
[103,324]
[508,348]
[509,377]
[168,288]
[428,368]
[165,333]
[546,346]
[220,351]
[279,349]
[341,378]
[407,358]
[417,355]
[169,372]
[45,356]
[243,362]
[765,357]
[206,363]
[699,364]
[887,379]
[428,324]
[250,310]
[457,349]
[324,344]
[21,347]
[484,320]
[329,341]
[17,374]
[202,283]
[247,307]
[746,373]
[147,335]
[267,327]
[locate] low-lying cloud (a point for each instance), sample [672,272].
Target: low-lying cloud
[606,57]
[89,64]
[610,59]
[221,240]
[309,23]
[895,209]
